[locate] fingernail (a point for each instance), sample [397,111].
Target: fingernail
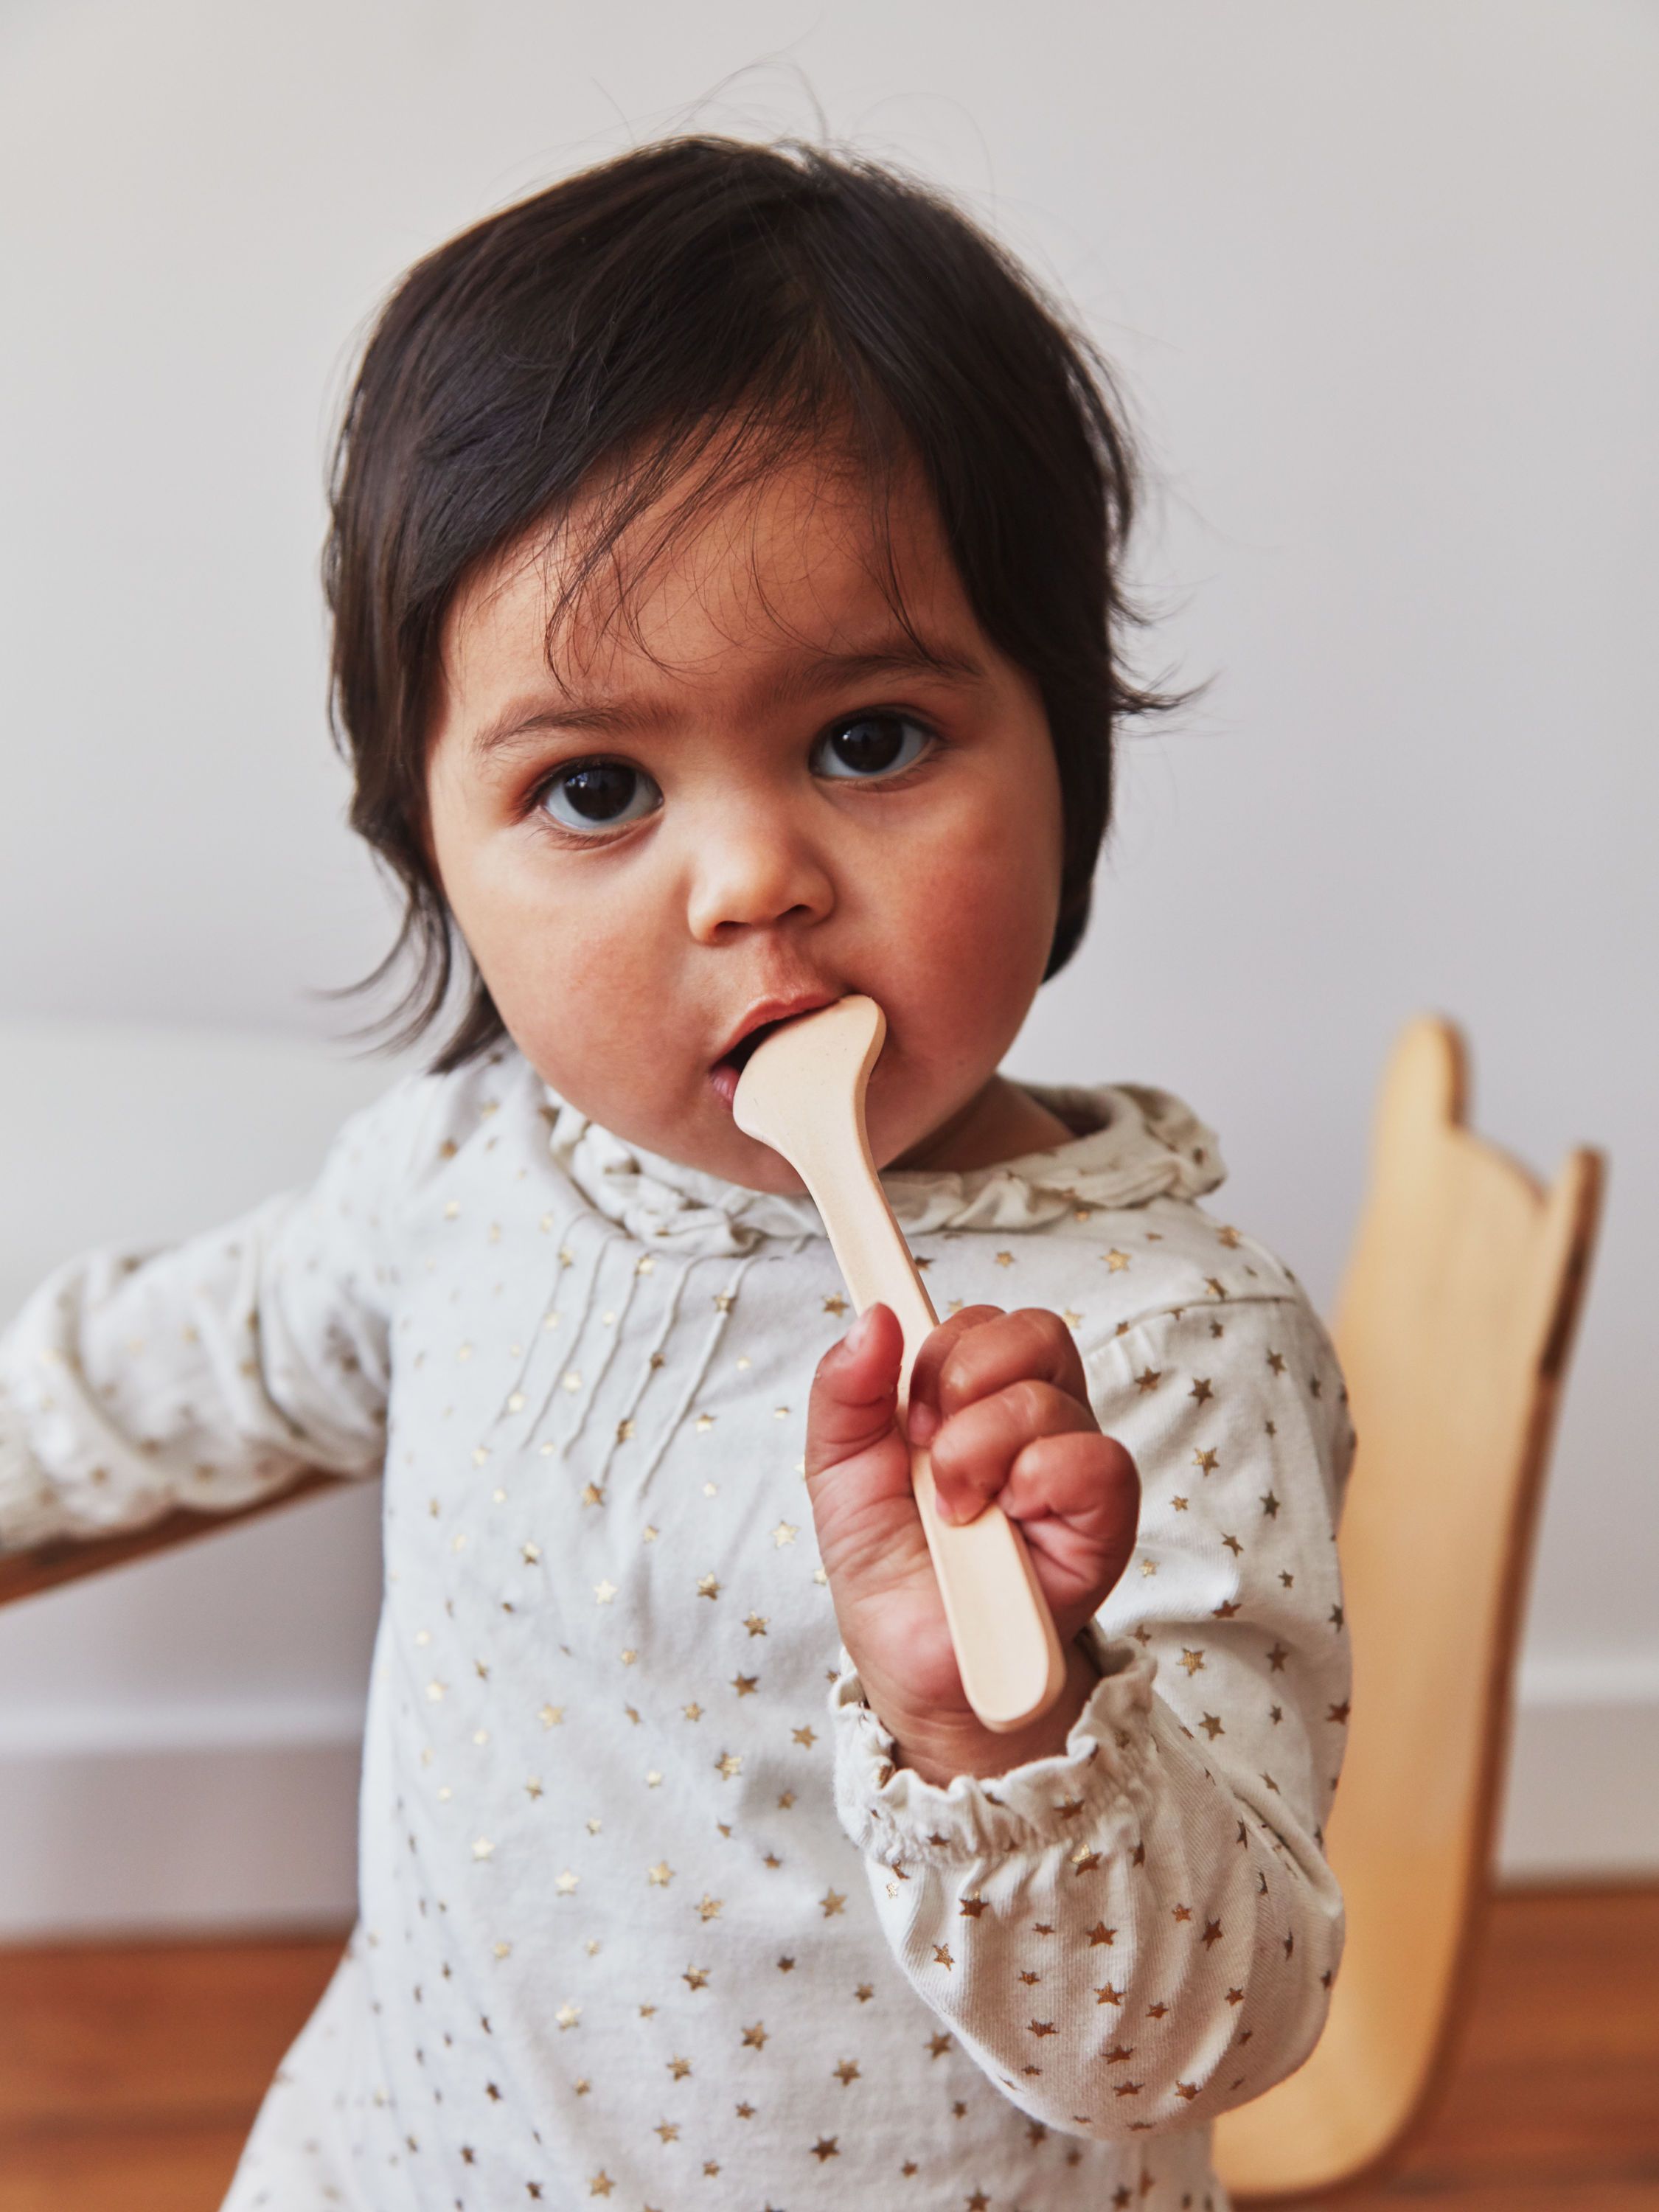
[922,1425]
[858,1336]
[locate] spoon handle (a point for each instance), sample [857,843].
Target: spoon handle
[1003,1634]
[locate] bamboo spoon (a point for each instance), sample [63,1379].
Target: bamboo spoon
[802,1093]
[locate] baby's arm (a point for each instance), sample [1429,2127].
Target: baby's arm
[215,1372]
[1141,1930]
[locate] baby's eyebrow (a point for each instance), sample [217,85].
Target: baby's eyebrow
[809,674]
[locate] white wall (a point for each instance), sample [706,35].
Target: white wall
[1381,279]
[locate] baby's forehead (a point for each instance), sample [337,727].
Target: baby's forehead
[800,559]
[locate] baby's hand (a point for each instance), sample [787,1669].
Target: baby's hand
[1000,1400]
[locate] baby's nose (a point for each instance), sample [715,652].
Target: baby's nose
[751,870]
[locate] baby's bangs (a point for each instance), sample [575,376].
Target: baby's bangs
[638,512]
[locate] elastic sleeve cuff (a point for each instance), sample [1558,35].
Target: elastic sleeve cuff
[896,1818]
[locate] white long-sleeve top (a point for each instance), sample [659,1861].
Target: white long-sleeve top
[646,1911]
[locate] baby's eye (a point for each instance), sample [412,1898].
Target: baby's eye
[865,746]
[599,795]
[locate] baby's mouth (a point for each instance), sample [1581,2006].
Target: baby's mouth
[729,1067]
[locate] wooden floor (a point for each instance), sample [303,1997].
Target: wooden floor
[129,2074]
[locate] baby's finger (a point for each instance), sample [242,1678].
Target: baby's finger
[1082,1478]
[937,1347]
[1077,1498]
[855,1390]
[973,1453]
[1030,1343]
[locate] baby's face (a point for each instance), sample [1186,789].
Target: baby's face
[748,793]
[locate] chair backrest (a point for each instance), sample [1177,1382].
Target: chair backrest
[1455,1324]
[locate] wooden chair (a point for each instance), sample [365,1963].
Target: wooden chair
[1453,1329]
[1456,1322]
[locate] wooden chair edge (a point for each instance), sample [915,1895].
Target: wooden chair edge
[1579,1189]
[66,1559]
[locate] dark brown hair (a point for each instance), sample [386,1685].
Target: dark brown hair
[706,299]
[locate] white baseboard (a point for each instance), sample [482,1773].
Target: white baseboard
[179,1819]
[1582,1802]
[193,1818]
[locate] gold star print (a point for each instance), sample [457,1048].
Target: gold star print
[530,1553]
[1083,1861]
[942,1956]
[825,2147]
[1233,1545]
[938,2045]
[1340,1714]
[1211,1727]
[1107,1994]
[745,1685]
[709,1908]
[785,1800]
[1212,1934]
[1277,1657]
[1115,1260]
[693,1712]
[724,1301]
[1335,1616]
[978,2202]
[679,2068]
[1287,1578]
[668,2129]
[1004,1258]
[729,1765]
[847,2071]
[696,1978]
[601,2184]
[1071,1318]
[705,1422]
[836,1305]
[754,2039]
[1270,1505]
[1187,2089]
[659,1875]
[1208,1462]
[604,1592]
[1041,2027]
[1030,1980]
[550,1716]
[1149,1378]
[1179,1503]
[565,1884]
[1228,1237]
[625,1432]
[1225,1610]
[483,1848]
[831,1903]
[1149,1566]
[1235,1996]
[1099,1934]
[970,1907]
[593,1494]
[1201,1394]
[1119,2053]
[707,1586]
[567,2015]
[1192,1661]
[784,1534]
[743,2112]
[1276,1361]
[804,1736]
[1216,1290]
[756,1624]
[865,1991]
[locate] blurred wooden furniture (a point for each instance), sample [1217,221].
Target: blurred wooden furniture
[63,1561]
[1453,1330]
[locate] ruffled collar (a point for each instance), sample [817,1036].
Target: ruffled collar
[1132,1145]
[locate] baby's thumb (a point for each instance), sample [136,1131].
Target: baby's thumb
[855,1391]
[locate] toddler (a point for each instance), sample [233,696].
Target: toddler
[724,571]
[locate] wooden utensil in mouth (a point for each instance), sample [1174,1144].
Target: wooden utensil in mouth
[801,1092]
